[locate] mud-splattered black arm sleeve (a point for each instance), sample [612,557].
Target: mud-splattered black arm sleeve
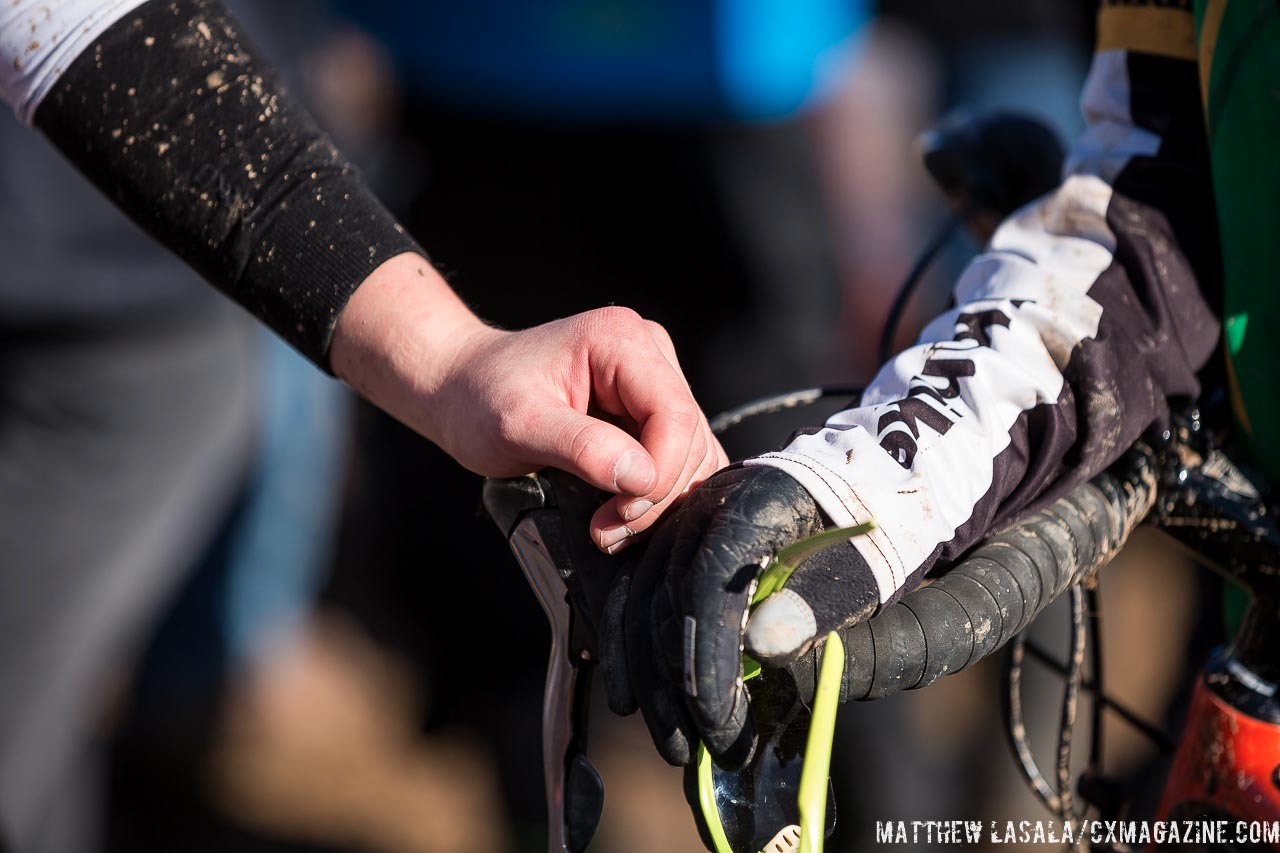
[177,117]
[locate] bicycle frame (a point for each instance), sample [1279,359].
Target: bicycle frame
[1227,761]
[1227,764]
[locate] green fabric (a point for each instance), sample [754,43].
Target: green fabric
[1235,600]
[1243,116]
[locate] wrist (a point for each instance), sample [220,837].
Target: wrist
[401,338]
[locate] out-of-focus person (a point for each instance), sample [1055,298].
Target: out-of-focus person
[140,410]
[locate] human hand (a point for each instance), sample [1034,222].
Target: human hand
[676,623]
[599,395]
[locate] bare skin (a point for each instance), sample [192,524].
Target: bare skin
[507,403]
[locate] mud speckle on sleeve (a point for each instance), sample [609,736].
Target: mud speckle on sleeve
[222,166]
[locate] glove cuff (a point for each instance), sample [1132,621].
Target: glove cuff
[845,508]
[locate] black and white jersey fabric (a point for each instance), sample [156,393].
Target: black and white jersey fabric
[1083,316]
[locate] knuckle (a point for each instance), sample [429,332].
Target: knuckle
[706,467]
[617,332]
[684,415]
[658,330]
[618,317]
[510,425]
[694,461]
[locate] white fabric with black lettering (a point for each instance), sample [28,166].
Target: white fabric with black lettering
[1024,388]
[917,454]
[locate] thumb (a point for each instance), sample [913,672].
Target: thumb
[595,451]
[830,590]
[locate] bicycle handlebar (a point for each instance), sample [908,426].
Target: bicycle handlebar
[1000,587]
[942,628]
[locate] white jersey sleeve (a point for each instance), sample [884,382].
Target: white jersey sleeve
[39,39]
[920,452]
[1085,314]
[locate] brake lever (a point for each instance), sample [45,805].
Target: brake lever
[544,518]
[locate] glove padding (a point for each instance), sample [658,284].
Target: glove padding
[673,627]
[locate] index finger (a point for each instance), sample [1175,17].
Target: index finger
[653,392]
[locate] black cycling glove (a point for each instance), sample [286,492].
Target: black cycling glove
[673,633]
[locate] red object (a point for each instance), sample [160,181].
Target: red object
[1227,761]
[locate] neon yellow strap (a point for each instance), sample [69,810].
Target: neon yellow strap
[817,754]
[707,799]
[812,798]
[778,571]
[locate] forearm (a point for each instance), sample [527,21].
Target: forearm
[174,114]
[398,338]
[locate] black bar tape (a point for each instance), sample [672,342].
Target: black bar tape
[1008,580]
[893,641]
[179,119]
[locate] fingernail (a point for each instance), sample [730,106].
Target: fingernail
[635,509]
[610,538]
[621,546]
[634,473]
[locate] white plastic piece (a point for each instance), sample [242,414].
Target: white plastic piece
[786,841]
